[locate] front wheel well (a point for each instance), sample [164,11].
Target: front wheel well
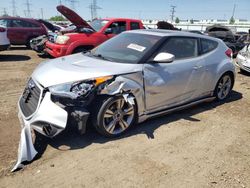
[82,48]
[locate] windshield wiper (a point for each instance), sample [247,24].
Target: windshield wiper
[101,57]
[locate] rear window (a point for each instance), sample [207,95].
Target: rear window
[208,45]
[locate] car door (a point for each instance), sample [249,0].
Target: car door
[171,84]
[16,31]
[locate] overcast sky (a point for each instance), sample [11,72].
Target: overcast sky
[142,9]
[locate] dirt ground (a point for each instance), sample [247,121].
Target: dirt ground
[205,146]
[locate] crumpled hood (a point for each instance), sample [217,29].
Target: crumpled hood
[78,67]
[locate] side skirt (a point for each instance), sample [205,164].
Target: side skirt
[173,109]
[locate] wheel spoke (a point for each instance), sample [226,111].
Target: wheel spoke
[111,126]
[129,111]
[124,125]
[108,113]
[220,85]
[120,104]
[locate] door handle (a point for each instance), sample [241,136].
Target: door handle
[197,67]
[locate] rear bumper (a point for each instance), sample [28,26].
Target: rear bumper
[4,47]
[56,50]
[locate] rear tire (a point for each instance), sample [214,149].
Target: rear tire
[113,116]
[223,87]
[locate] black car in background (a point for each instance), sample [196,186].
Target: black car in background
[224,33]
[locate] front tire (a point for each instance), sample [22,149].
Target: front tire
[114,116]
[223,87]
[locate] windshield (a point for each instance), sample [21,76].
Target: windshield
[126,47]
[98,24]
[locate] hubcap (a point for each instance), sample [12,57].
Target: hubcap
[118,116]
[224,87]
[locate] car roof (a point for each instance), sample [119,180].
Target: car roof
[19,18]
[127,19]
[166,33]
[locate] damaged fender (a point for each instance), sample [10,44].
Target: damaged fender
[130,87]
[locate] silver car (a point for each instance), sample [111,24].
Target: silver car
[126,80]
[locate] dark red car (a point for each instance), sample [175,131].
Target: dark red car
[22,30]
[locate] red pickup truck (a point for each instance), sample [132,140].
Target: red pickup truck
[87,35]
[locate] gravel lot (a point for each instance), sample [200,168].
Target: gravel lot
[205,146]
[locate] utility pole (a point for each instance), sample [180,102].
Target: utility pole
[233,10]
[14,13]
[93,9]
[72,3]
[172,11]
[42,13]
[5,12]
[28,11]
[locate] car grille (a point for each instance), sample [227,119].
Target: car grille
[52,37]
[30,98]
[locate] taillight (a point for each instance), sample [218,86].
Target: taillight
[2,29]
[229,53]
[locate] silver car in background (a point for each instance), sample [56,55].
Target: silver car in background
[132,77]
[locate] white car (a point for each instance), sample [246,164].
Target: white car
[243,59]
[4,41]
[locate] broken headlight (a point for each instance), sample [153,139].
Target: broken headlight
[77,89]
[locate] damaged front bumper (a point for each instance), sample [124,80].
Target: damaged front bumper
[48,118]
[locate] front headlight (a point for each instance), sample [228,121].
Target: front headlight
[62,39]
[77,89]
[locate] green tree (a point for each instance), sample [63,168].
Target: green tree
[232,20]
[57,18]
[177,20]
[192,21]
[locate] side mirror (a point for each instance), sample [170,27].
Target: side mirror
[108,31]
[164,57]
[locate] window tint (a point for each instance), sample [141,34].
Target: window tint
[118,27]
[181,47]
[22,23]
[134,25]
[208,45]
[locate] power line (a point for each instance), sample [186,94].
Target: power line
[93,9]
[172,11]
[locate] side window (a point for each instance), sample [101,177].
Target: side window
[118,27]
[207,45]
[22,23]
[3,23]
[181,47]
[134,25]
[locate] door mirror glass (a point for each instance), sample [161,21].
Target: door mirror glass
[108,31]
[164,57]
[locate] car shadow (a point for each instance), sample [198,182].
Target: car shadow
[11,57]
[72,140]
[19,48]
[245,73]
